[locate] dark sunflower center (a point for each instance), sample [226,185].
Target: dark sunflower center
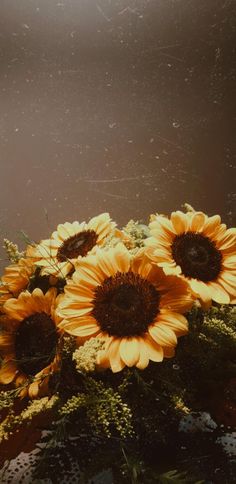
[197,256]
[35,343]
[125,304]
[78,244]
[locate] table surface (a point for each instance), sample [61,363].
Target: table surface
[119,106]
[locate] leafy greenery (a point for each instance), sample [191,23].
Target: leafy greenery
[128,422]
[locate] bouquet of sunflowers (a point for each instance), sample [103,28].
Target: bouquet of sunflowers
[89,324]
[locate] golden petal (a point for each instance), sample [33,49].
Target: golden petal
[98,222]
[180,222]
[20,380]
[33,389]
[218,294]
[116,363]
[103,359]
[197,222]
[63,232]
[81,329]
[8,372]
[129,351]
[177,322]
[170,268]
[166,225]
[88,270]
[14,312]
[229,288]
[6,340]
[121,256]
[107,265]
[163,255]
[200,289]
[80,291]
[143,356]
[218,232]
[79,227]
[162,334]
[211,225]
[76,313]
[48,251]
[151,242]
[229,277]
[230,261]
[158,234]
[104,231]
[228,233]
[177,301]
[154,351]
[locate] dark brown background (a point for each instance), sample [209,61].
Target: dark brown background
[119,106]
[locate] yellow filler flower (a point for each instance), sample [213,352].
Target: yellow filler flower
[58,254]
[199,249]
[128,302]
[29,341]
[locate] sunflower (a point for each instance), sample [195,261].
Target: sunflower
[4,296]
[29,341]
[128,302]
[16,276]
[198,248]
[58,254]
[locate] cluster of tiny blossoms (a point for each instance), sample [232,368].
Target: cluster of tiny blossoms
[85,356]
[104,409]
[35,407]
[12,251]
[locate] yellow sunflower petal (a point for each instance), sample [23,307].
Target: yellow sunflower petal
[162,334]
[229,277]
[229,232]
[143,357]
[87,270]
[177,322]
[201,289]
[15,311]
[129,351]
[180,221]
[229,261]
[122,257]
[177,301]
[211,225]
[116,363]
[166,225]
[108,265]
[197,222]
[170,269]
[218,294]
[84,327]
[6,340]
[103,359]
[229,288]
[154,351]
[162,255]
[63,232]
[8,372]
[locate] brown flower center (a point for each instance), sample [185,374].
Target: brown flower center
[35,343]
[197,256]
[125,304]
[78,244]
